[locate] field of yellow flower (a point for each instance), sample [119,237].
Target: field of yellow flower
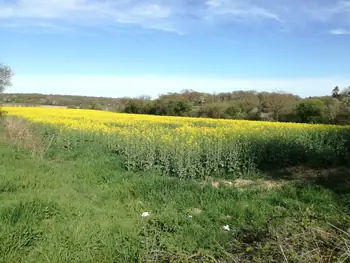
[193,147]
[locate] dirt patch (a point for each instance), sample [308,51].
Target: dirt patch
[196,211]
[236,183]
[242,182]
[228,183]
[270,185]
[216,185]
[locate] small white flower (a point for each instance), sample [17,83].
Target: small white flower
[189,217]
[145,214]
[227,228]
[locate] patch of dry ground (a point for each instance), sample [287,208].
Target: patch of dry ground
[244,183]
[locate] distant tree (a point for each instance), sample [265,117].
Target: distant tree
[311,111]
[96,106]
[182,107]
[345,93]
[332,109]
[343,116]
[248,100]
[170,107]
[6,74]
[234,112]
[335,92]
[144,98]
[136,106]
[278,104]
[214,110]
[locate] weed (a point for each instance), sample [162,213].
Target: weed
[18,132]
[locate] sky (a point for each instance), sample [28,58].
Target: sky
[118,48]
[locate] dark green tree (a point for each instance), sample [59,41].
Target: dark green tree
[311,111]
[214,110]
[335,92]
[133,106]
[170,107]
[182,107]
[234,112]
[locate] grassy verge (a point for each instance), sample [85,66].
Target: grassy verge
[71,200]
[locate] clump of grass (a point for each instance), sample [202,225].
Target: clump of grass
[18,132]
[20,231]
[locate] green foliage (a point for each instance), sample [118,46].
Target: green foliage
[311,111]
[217,111]
[234,112]
[237,155]
[136,106]
[168,107]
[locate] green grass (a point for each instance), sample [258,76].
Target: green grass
[78,204]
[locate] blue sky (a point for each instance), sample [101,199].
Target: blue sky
[133,47]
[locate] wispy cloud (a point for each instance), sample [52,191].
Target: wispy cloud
[339,32]
[239,10]
[177,16]
[332,10]
[34,24]
[150,15]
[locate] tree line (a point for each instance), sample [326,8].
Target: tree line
[248,105]
[242,105]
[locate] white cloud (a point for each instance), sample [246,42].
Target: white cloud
[339,32]
[119,86]
[151,10]
[45,26]
[150,15]
[239,10]
[180,15]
